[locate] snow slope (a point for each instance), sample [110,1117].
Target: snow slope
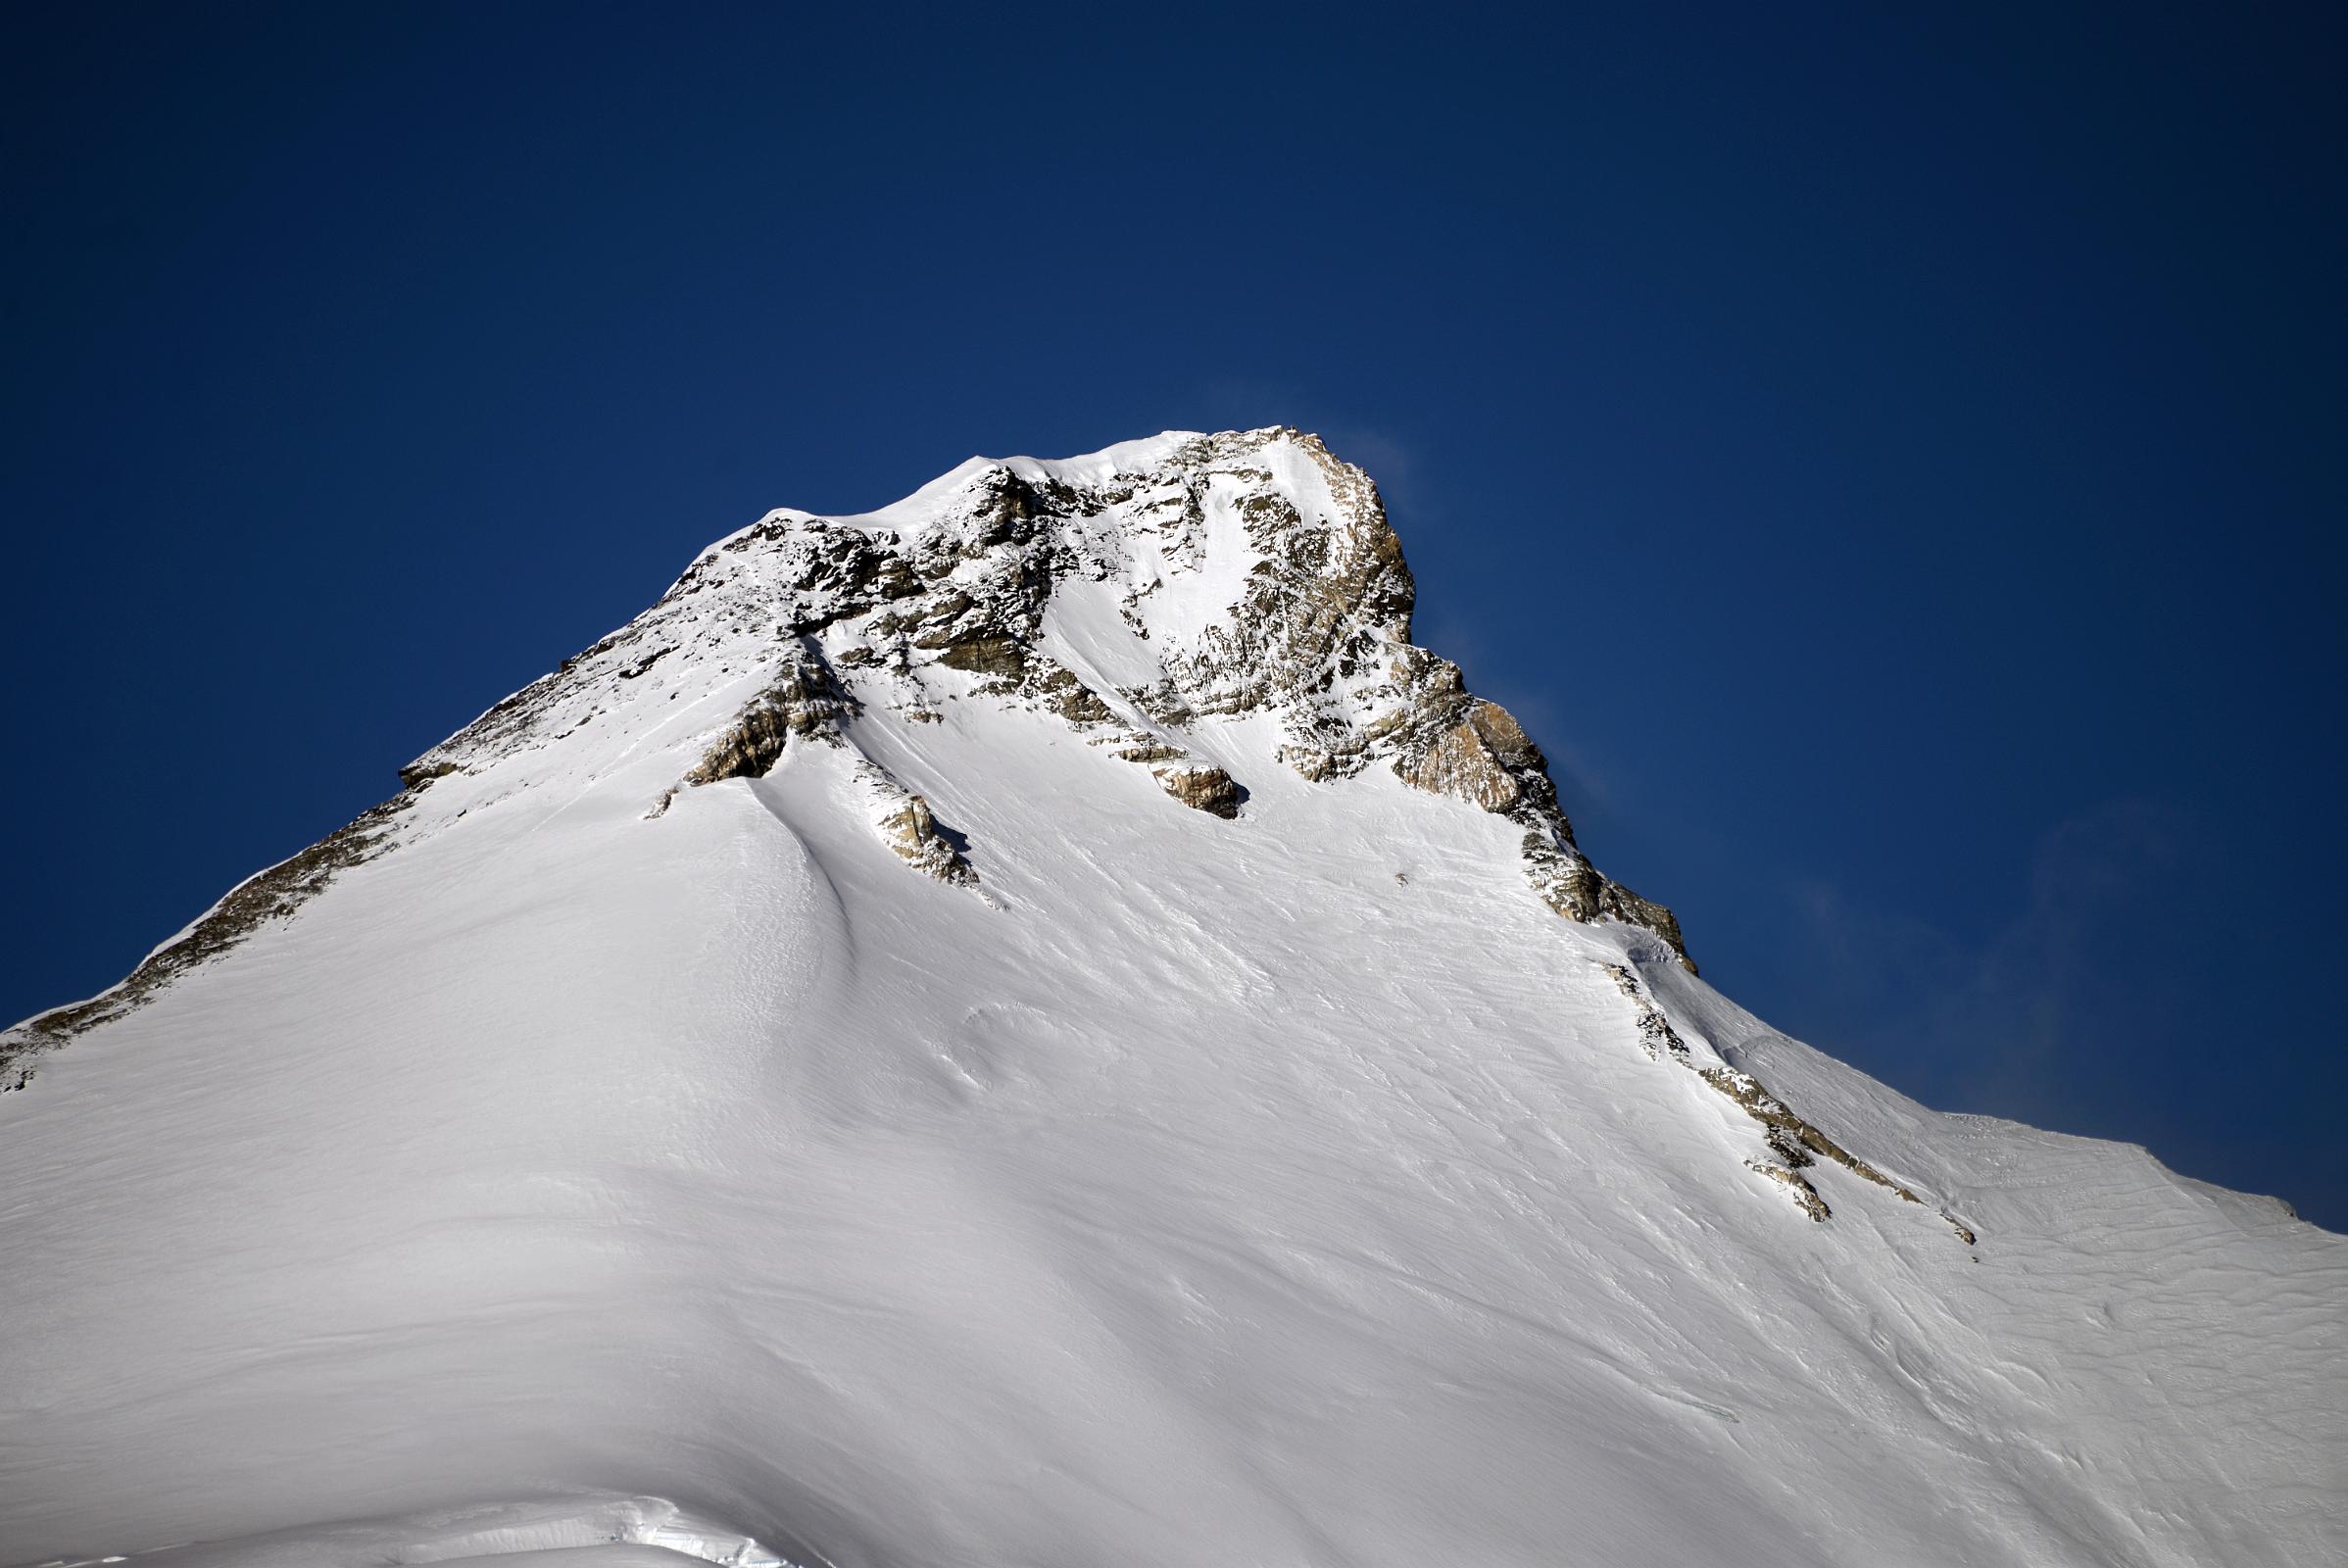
[596,1166]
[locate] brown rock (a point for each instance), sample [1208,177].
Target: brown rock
[1203,788]
[913,831]
[1476,760]
[807,699]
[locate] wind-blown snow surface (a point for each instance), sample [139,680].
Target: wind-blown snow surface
[1293,1189]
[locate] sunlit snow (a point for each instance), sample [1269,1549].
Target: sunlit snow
[582,1186]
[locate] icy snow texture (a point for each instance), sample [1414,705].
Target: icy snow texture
[622,1170]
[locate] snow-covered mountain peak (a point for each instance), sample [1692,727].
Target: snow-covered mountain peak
[1158,600]
[1034,1024]
[1148,595]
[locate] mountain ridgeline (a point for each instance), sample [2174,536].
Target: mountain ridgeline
[1201,579]
[1254,574]
[1036,1024]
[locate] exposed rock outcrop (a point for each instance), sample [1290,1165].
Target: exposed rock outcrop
[1790,1138]
[1479,758]
[911,829]
[1795,1142]
[1203,788]
[806,700]
[276,894]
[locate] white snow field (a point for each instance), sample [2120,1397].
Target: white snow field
[608,1169]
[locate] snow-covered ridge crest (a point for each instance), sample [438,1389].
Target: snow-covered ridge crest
[1145,594]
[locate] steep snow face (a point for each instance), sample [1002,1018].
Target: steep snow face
[1034,1026]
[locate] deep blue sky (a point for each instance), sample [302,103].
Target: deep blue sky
[1890,455]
